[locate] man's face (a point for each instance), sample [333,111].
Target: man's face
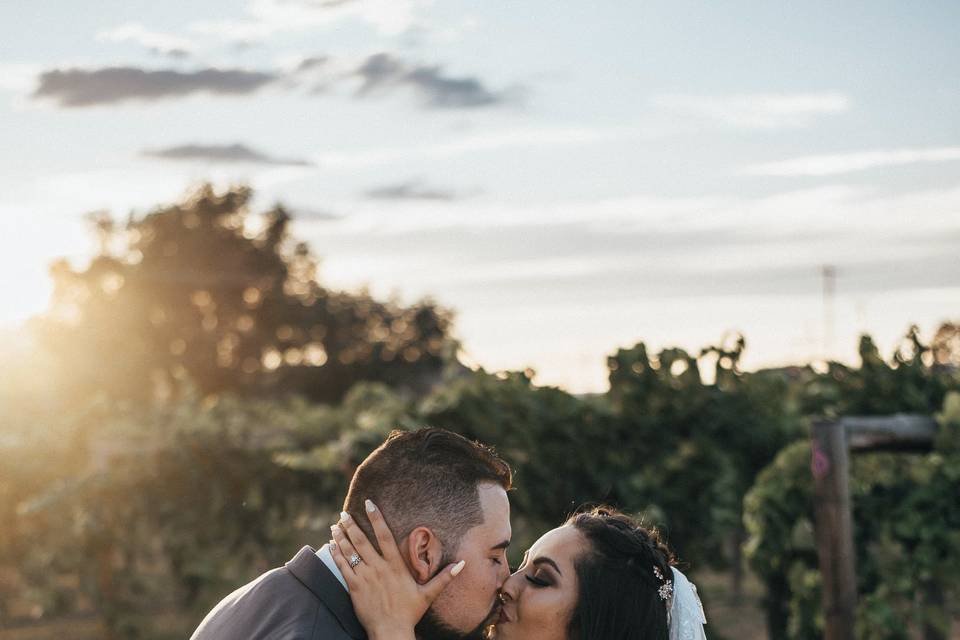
[471,601]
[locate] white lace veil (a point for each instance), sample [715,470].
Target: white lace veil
[686,613]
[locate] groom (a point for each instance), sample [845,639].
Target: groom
[445,498]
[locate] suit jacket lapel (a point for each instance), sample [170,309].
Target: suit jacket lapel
[310,570]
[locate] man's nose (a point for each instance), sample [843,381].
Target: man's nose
[504,573]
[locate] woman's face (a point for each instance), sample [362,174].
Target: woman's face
[539,599]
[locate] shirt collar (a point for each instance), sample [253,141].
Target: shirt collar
[327,558]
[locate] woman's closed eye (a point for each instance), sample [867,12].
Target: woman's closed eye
[537,582]
[541,572]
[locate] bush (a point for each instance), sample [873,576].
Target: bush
[907,538]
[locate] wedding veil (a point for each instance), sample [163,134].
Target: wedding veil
[686,613]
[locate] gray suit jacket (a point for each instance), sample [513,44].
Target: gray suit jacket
[301,600]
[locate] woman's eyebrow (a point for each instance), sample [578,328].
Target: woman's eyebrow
[546,560]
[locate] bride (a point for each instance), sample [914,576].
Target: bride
[600,575]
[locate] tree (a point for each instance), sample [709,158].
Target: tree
[204,290]
[691,450]
[562,448]
[904,506]
[946,345]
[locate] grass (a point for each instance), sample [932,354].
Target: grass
[727,620]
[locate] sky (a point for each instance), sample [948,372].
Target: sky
[568,177]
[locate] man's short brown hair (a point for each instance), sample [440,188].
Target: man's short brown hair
[431,478]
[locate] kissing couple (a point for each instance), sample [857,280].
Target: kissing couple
[420,552]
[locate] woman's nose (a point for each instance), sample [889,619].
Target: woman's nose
[510,588]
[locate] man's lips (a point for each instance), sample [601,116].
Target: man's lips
[494,616]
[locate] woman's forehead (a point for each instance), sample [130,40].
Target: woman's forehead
[562,543]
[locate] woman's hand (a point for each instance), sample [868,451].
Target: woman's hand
[387,600]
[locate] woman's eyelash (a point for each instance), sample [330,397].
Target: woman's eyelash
[537,581]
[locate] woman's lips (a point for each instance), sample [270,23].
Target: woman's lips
[504,617]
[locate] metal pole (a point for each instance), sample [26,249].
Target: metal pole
[829,289]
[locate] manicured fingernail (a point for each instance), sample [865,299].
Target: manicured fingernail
[457,568]
[370,506]
[333,545]
[335,529]
[344,516]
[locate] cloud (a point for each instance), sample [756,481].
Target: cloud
[313,214]
[757,111]
[221,153]
[809,226]
[19,77]
[411,190]
[109,85]
[662,247]
[267,18]
[526,138]
[424,35]
[312,62]
[831,164]
[160,43]
[608,277]
[382,72]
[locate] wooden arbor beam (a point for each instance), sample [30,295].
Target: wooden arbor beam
[832,442]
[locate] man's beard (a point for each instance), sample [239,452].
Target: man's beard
[431,627]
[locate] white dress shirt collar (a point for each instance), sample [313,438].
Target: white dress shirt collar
[327,559]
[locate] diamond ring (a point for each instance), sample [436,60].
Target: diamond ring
[355,559]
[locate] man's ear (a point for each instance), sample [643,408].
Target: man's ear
[423,553]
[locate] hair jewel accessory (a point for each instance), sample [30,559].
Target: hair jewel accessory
[666,589]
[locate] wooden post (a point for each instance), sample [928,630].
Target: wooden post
[832,441]
[902,433]
[834,528]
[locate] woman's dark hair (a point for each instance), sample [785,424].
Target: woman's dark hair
[618,587]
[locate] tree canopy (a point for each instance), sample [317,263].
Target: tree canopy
[207,291]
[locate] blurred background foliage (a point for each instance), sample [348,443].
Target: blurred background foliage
[192,407]
[209,292]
